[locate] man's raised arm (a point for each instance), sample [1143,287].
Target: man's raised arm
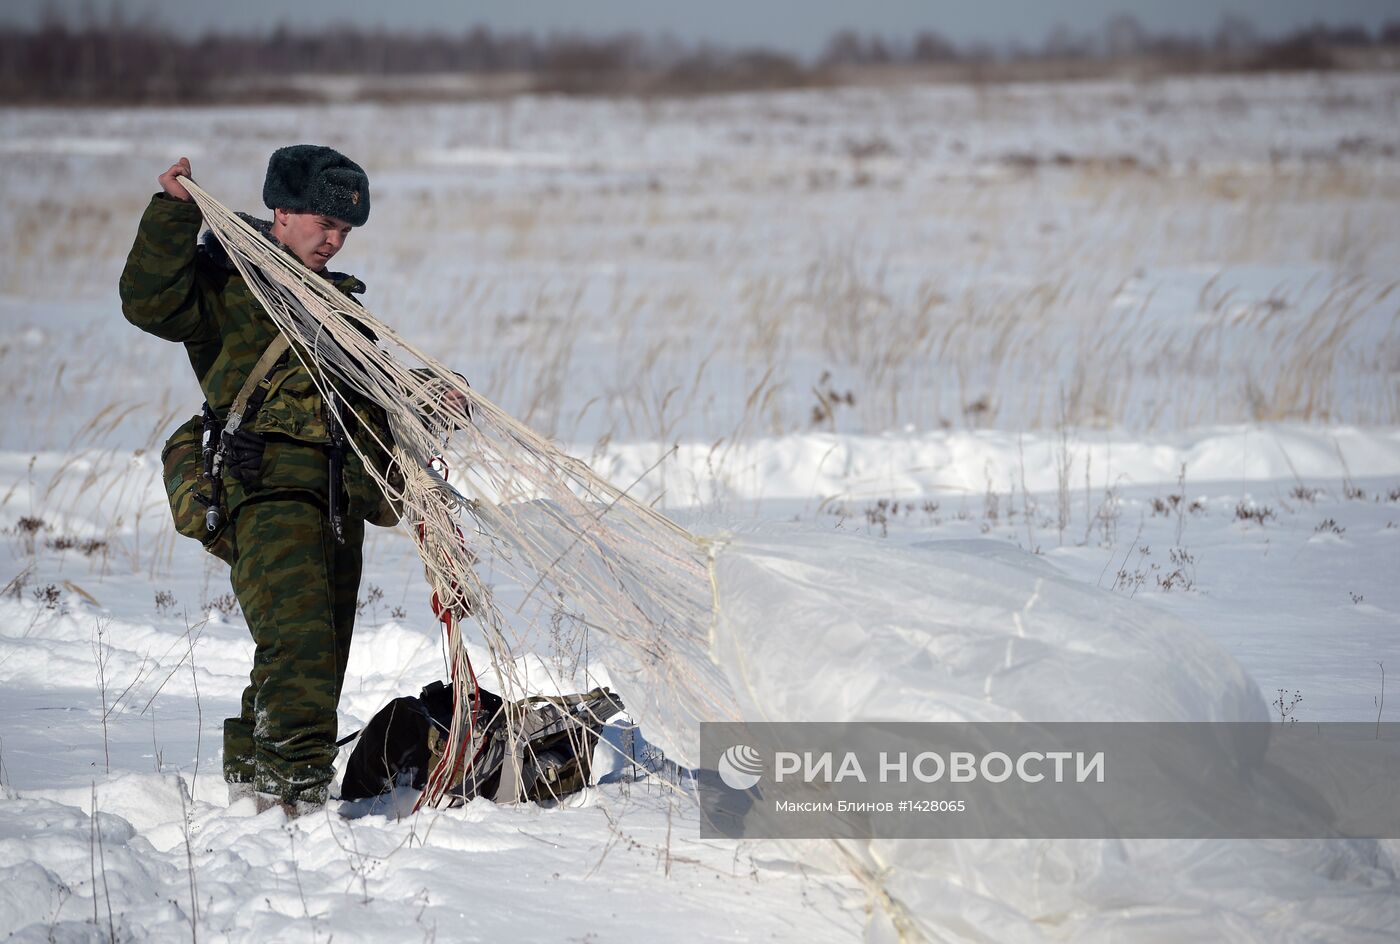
[158,284]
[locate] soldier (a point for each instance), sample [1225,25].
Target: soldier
[295,581]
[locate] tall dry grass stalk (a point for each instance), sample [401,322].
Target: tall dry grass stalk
[941,270]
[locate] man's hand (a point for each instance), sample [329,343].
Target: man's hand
[451,402]
[456,402]
[170,183]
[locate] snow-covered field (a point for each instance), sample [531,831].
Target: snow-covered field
[1111,369]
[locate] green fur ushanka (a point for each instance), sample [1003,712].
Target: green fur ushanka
[308,178]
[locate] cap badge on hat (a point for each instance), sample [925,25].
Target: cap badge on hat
[355,197]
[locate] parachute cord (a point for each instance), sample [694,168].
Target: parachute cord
[712,546]
[449,766]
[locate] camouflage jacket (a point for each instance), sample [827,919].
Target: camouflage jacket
[180,289]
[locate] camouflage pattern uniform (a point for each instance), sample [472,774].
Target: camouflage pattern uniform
[297,587]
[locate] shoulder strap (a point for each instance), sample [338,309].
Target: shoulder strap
[260,370]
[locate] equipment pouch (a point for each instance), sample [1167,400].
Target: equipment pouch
[243,455]
[189,492]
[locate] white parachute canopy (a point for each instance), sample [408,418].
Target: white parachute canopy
[565,538]
[863,629]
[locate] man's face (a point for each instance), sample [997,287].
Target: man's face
[311,237]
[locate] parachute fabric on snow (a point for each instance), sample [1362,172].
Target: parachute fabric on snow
[563,532]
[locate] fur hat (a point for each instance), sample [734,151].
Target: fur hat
[308,178]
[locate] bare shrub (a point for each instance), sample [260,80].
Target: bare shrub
[829,400]
[49,596]
[29,525]
[85,546]
[1183,573]
[1132,580]
[370,601]
[226,604]
[878,516]
[1175,505]
[1285,703]
[28,528]
[1256,513]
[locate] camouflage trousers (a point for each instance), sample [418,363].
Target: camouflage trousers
[297,588]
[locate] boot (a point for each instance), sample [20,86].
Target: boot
[290,808]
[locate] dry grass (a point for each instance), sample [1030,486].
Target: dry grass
[737,263]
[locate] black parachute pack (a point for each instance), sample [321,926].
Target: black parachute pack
[538,748]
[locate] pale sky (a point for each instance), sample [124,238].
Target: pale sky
[796,26]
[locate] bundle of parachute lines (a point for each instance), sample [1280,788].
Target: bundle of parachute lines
[472,482]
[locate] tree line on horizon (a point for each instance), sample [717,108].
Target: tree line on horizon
[114,60]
